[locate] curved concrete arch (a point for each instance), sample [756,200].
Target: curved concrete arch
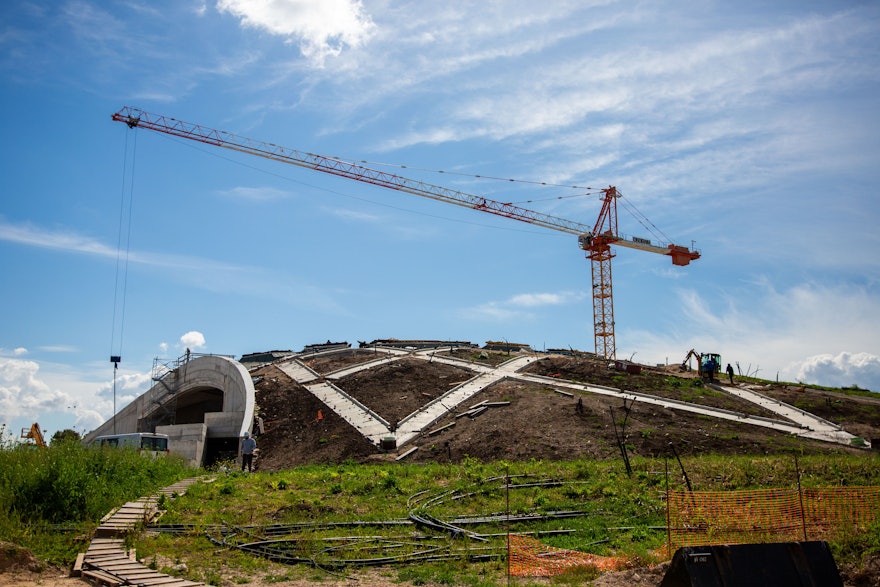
[226,375]
[214,396]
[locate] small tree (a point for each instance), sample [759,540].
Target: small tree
[65,435]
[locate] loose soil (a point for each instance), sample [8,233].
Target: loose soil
[20,568]
[536,421]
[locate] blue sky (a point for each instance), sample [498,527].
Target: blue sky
[747,128]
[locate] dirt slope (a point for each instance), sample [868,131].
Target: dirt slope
[538,423]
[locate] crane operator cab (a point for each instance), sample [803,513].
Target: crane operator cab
[710,365]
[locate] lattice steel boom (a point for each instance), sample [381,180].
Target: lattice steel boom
[595,241]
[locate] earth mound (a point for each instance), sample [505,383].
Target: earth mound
[530,420]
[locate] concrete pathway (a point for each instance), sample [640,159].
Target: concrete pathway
[415,423]
[815,426]
[373,426]
[794,427]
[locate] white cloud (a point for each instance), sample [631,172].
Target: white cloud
[58,348]
[355,215]
[68,241]
[92,24]
[796,334]
[490,311]
[841,370]
[544,299]
[193,340]
[199,272]
[24,394]
[323,28]
[129,385]
[513,307]
[87,420]
[256,194]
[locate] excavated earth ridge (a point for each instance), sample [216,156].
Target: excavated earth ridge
[448,404]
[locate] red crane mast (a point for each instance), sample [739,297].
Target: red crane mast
[595,241]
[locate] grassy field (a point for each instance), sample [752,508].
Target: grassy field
[51,499]
[336,517]
[326,520]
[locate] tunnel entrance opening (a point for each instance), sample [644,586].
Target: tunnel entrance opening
[192,406]
[220,450]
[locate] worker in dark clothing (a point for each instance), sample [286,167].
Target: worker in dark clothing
[710,370]
[730,373]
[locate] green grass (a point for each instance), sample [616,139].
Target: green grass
[69,487]
[622,515]
[51,496]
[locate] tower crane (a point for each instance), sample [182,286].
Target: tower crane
[595,241]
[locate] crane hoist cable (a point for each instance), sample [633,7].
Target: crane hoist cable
[123,250]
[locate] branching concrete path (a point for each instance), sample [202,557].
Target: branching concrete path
[107,562]
[815,427]
[375,428]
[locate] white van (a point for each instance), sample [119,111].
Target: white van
[143,442]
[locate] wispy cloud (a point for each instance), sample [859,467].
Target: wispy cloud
[355,215]
[199,272]
[518,307]
[321,29]
[695,78]
[58,348]
[72,242]
[27,234]
[545,299]
[255,194]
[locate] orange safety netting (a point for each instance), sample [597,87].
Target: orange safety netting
[531,558]
[768,515]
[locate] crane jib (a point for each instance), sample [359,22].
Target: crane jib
[595,240]
[135,118]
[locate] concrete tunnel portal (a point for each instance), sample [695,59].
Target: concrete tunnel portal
[204,404]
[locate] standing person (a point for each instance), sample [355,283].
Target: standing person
[730,373]
[248,446]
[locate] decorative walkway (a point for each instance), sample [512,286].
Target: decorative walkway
[375,428]
[108,562]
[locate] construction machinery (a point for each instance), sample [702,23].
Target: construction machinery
[706,362]
[595,240]
[34,435]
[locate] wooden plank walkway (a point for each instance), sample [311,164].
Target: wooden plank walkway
[108,563]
